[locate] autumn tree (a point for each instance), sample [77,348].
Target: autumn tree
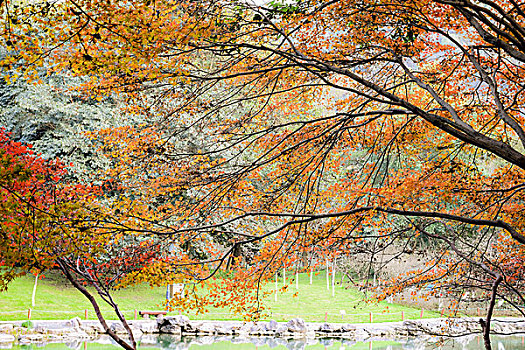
[48,223]
[340,125]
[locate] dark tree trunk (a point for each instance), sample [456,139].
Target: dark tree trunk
[485,323]
[94,303]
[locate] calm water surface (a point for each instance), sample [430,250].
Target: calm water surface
[228,343]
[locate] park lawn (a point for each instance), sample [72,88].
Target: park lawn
[314,303]
[57,300]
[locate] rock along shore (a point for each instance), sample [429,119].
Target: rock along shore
[180,326]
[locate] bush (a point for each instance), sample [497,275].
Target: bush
[27,324]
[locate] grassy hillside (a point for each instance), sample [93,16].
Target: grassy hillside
[56,300]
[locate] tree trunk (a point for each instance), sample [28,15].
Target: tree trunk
[34,291]
[101,319]
[485,323]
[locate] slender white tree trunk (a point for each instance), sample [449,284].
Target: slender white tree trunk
[34,291]
[276,287]
[333,278]
[327,276]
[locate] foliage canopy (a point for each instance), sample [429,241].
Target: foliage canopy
[276,131]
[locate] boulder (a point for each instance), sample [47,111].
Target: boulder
[242,335]
[54,338]
[7,338]
[223,329]
[271,326]
[171,329]
[6,328]
[251,328]
[24,341]
[281,330]
[326,327]
[93,329]
[361,334]
[412,328]
[174,324]
[78,335]
[74,323]
[206,328]
[347,328]
[30,338]
[40,329]
[118,328]
[59,331]
[296,325]
[148,327]
[180,321]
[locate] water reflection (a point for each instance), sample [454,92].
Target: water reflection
[264,343]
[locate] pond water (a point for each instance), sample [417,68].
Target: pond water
[261,343]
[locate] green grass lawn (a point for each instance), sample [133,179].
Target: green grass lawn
[55,300]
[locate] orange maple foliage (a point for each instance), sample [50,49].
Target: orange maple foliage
[282,131]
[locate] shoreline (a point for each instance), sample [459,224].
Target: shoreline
[178,327]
